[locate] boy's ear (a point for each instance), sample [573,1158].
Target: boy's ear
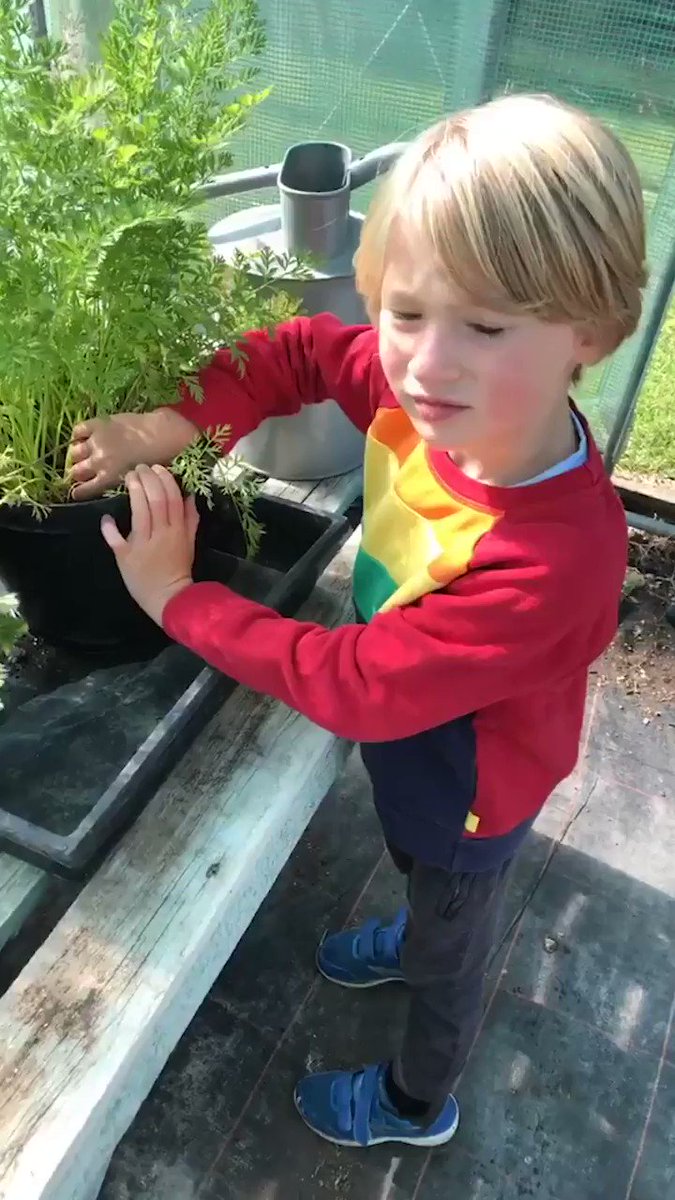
[593,343]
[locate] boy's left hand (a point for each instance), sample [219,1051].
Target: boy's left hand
[156,559]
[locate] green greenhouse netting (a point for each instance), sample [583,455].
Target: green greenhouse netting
[368,72]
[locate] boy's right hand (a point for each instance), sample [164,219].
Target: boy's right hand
[103,449]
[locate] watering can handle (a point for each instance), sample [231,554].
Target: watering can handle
[375,163]
[361,170]
[238,181]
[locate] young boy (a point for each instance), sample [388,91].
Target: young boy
[504,253]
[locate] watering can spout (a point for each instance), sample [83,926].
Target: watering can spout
[315,182]
[314,188]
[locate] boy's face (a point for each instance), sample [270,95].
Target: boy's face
[471,379]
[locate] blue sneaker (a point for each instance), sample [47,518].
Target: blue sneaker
[351,1108]
[364,957]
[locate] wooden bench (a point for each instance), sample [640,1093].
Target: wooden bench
[88,1025]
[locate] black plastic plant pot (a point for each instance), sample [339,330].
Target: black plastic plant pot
[86,736]
[69,588]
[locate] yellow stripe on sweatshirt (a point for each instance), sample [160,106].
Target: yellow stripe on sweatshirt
[392,428]
[423,536]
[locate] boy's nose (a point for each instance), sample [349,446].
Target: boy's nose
[435,362]
[434,373]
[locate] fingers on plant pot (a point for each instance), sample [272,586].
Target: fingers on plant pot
[86,469]
[156,500]
[67,579]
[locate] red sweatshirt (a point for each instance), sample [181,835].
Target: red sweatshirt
[481,608]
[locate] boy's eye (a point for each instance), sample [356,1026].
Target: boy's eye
[400,315]
[486,330]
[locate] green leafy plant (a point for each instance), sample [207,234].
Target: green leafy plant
[110,294]
[11,629]
[201,465]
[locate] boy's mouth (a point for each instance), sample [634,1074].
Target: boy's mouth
[434,411]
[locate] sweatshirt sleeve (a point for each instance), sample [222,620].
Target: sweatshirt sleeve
[303,361]
[494,635]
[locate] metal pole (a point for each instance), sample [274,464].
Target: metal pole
[479,29]
[37,12]
[654,525]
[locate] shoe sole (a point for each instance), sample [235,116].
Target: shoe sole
[369,983]
[438,1139]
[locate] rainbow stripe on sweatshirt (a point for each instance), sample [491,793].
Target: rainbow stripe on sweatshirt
[417,535]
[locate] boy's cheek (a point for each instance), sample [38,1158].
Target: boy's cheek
[520,365]
[393,364]
[511,391]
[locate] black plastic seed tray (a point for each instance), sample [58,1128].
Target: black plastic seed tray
[85,738]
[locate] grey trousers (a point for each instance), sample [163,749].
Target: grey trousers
[450,934]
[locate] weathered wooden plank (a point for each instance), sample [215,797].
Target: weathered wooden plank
[336,495]
[299,491]
[21,888]
[89,1023]
[332,495]
[21,885]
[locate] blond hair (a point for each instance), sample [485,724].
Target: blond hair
[531,205]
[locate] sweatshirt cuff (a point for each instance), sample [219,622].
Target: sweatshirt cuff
[188,406]
[187,613]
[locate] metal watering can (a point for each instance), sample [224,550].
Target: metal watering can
[315,182]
